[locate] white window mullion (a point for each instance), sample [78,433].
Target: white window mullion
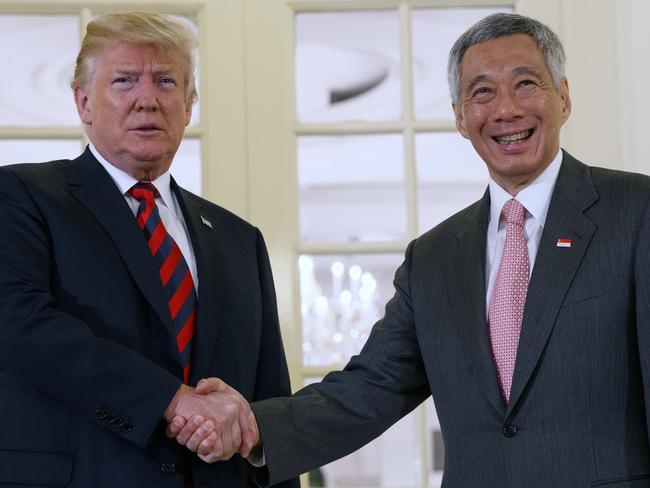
[410,175]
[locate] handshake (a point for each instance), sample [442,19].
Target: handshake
[212,420]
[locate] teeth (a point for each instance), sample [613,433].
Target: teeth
[513,138]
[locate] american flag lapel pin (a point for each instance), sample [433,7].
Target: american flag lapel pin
[206,222]
[563,242]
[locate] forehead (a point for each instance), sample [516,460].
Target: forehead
[138,56]
[502,56]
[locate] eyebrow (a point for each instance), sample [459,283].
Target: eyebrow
[477,79]
[135,71]
[525,70]
[520,70]
[126,71]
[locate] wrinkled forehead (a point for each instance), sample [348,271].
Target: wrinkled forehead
[129,51]
[125,56]
[508,54]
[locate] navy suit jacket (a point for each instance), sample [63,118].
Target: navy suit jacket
[580,398]
[88,361]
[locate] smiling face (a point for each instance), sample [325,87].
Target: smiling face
[510,110]
[134,108]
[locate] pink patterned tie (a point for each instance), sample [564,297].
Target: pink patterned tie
[506,308]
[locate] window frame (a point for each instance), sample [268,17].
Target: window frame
[275,35]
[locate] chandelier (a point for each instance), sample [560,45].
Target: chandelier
[339,306]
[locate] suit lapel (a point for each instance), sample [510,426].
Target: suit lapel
[206,236]
[465,272]
[94,189]
[554,268]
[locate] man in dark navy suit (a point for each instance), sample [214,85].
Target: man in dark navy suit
[119,289]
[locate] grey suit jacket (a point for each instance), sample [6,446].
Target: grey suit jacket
[577,414]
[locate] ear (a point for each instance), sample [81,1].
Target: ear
[188,113]
[565,99]
[460,120]
[83,105]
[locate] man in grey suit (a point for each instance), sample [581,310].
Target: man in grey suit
[537,357]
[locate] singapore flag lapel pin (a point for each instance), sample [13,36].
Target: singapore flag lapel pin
[563,242]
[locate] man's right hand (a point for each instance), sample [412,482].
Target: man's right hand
[213,420]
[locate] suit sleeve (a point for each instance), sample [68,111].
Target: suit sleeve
[642,299]
[349,408]
[55,352]
[272,378]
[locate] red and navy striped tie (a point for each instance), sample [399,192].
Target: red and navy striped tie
[173,270]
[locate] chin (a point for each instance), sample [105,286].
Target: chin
[149,155]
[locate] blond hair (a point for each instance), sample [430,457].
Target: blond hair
[164,32]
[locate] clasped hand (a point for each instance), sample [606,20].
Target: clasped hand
[212,420]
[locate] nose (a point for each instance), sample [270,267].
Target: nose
[146,96]
[507,107]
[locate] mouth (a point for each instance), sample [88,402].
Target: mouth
[147,127]
[514,138]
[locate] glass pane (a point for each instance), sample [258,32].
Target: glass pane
[341,297]
[351,188]
[436,447]
[347,66]
[434,32]
[37,150]
[450,176]
[186,168]
[37,55]
[390,461]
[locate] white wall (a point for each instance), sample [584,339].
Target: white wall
[634,73]
[606,46]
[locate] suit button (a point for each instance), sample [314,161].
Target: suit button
[168,468]
[102,415]
[126,426]
[509,430]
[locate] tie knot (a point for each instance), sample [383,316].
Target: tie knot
[144,190]
[514,212]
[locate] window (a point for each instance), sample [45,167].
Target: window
[38,117]
[379,162]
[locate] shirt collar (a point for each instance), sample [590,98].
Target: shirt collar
[125,181]
[535,197]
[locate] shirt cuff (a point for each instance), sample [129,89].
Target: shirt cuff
[257,457]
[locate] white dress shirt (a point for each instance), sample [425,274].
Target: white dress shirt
[536,198]
[168,207]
